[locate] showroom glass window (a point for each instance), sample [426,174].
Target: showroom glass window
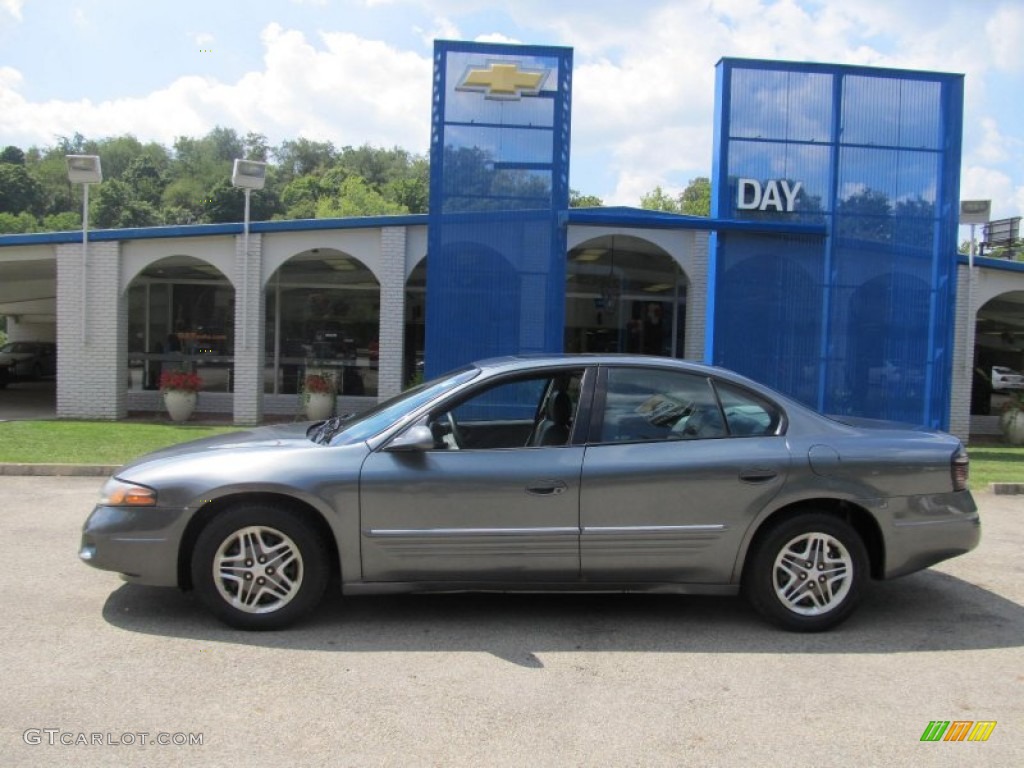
[181,314]
[323,314]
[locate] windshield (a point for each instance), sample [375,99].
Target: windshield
[18,346]
[354,429]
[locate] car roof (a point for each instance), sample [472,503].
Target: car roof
[546,360]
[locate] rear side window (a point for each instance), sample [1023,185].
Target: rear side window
[643,404]
[746,414]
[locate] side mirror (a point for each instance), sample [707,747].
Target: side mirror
[418,438]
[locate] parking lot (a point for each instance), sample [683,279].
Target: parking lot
[94,667]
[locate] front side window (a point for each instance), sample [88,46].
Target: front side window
[530,412]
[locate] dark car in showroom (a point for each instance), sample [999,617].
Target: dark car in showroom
[27,361]
[550,473]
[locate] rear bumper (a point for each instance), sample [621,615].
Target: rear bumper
[930,529]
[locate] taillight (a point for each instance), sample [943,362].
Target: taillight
[961,470]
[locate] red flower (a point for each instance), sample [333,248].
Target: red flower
[319,384]
[180,381]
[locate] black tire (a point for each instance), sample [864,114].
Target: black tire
[778,580]
[270,594]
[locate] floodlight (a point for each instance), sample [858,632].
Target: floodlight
[249,174]
[84,169]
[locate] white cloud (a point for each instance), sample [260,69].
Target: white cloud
[1005,32]
[983,183]
[443,29]
[346,90]
[12,8]
[643,80]
[204,39]
[994,147]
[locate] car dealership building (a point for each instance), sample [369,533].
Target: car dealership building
[828,268]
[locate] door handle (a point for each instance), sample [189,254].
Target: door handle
[546,488]
[758,475]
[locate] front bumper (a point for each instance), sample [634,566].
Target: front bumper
[140,543]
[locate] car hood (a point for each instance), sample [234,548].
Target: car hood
[14,357]
[259,439]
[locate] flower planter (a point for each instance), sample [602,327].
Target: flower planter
[179,404]
[319,406]
[1012,423]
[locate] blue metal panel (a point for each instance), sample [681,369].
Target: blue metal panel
[499,190]
[876,154]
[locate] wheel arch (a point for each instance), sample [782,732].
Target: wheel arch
[857,516]
[205,514]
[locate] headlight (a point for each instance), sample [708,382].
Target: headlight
[117,493]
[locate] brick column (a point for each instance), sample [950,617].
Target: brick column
[392,312]
[249,331]
[697,298]
[963,355]
[92,346]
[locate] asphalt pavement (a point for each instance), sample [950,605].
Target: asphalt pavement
[100,673]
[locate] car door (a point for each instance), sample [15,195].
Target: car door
[489,503]
[674,475]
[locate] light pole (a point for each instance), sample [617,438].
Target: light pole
[247,175]
[84,170]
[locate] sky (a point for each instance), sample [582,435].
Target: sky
[357,72]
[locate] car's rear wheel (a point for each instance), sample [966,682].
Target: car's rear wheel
[807,573]
[259,566]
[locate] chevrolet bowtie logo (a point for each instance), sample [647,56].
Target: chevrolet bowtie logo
[504,80]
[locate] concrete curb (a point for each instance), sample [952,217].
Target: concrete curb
[59,470]
[1006,489]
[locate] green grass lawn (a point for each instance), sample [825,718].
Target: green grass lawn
[993,463]
[116,442]
[90,442]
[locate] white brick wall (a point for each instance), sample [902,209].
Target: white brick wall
[92,369]
[392,311]
[249,327]
[963,354]
[697,298]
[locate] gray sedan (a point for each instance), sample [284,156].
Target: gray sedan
[567,473]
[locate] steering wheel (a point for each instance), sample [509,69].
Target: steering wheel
[456,435]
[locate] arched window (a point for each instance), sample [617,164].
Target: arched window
[624,294]
[323,311]
[181,314]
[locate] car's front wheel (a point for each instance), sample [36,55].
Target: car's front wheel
[259,566]
[807,573]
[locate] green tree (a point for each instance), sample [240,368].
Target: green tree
[255,147]
[227,203]
[145,180]
[356,198]
[61,222]
[49,168]
[116,207]
[579,200]
[659,200]
[184,201]
[12,155]
[301,196]
[17,223]
[303,157]
[695,200]
[19,191]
